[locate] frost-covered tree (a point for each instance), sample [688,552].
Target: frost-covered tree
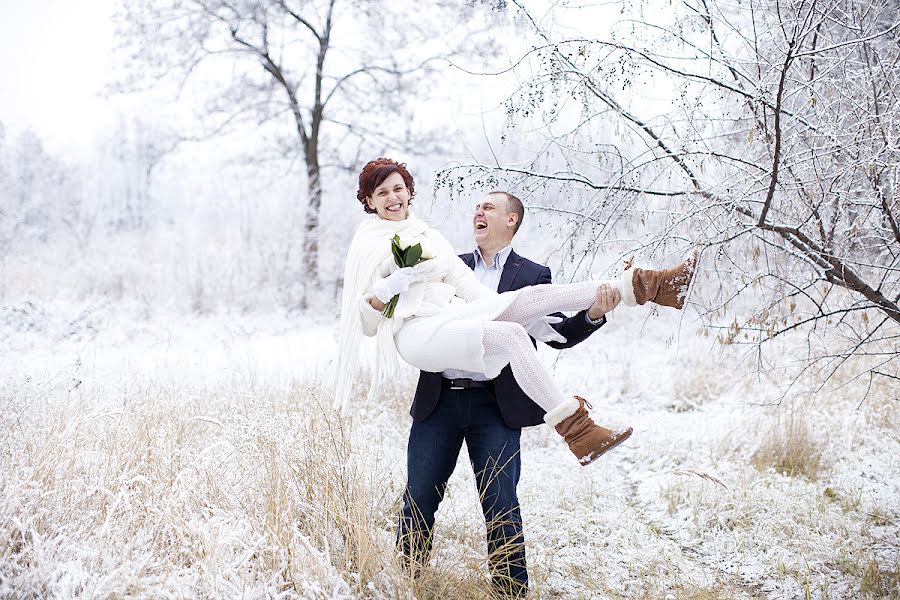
[39,193]
[129,159]
[766,131]
[327,83]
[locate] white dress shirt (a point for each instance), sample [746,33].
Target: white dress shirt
[489,275]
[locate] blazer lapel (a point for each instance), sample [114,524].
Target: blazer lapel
[469,259]
[510,270]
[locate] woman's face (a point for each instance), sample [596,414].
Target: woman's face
[390,200]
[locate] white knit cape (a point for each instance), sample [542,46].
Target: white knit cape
[367,257]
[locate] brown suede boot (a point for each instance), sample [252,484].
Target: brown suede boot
[666,288]
[587,440]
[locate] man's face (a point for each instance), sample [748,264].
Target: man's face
[493,224]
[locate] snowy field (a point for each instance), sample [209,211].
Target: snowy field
[153,456]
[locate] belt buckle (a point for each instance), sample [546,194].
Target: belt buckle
[456,386]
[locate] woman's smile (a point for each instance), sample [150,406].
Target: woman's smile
[390,200]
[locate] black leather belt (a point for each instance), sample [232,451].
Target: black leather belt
[464,384]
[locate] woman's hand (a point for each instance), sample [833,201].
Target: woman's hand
[434,269]
[395,283]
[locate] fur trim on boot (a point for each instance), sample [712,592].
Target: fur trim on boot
[628,298]
[566,409]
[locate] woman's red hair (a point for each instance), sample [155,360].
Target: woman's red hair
[374,174]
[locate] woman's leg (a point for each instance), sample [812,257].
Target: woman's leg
[638,286]
[537,301]
[509,340]
[587,440]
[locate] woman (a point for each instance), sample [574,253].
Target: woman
[446,319]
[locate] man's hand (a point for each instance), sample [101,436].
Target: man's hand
[607,299]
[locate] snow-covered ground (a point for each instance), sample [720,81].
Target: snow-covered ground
[155,455]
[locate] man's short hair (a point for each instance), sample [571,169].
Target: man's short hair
[514,205]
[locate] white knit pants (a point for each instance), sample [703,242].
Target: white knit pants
[507,337]
[537,301]
[512,342]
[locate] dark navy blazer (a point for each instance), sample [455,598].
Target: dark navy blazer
[517,408]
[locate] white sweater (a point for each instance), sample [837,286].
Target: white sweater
[450,280]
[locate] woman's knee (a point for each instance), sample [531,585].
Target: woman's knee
[512,333]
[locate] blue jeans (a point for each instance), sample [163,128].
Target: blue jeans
[434,443]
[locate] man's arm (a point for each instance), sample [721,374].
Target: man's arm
[576,328]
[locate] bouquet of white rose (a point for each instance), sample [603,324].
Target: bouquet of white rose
[407,253]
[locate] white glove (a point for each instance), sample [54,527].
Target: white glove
[434,269]
[395,283]
[541,331]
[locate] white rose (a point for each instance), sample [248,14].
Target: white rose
[427,251]
[410,241]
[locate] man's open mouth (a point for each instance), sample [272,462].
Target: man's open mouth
[480,225]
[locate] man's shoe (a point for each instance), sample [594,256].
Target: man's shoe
[587,440]
[666,288]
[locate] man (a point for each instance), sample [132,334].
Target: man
[455,406]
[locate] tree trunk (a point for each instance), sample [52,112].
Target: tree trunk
[311,228]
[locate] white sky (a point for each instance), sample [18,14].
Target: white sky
[56,56]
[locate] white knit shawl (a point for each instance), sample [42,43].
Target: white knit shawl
[370,248]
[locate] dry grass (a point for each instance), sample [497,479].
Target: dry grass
[789,446]
[695,382]
[848,501]
[879,581]
[716,592]
[882,411]
[168,491]
[206,494]
[880,517]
